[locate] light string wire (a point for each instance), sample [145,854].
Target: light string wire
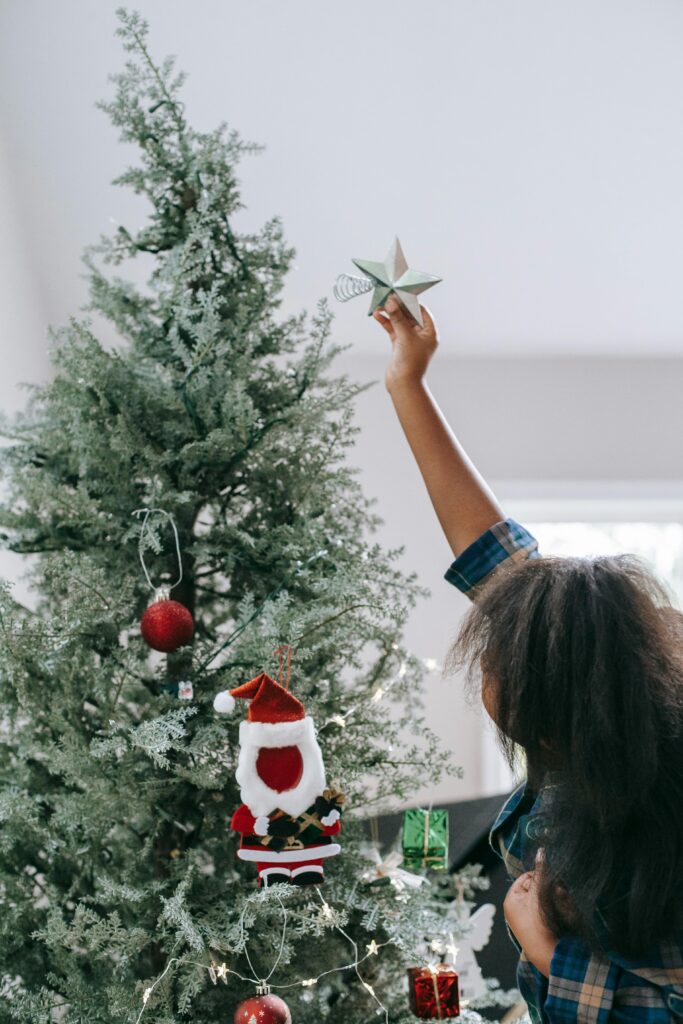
[257,611]
[280,951]
[221,971]
[377,694]
[146,513]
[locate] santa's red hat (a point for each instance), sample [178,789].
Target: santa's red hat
[270,702]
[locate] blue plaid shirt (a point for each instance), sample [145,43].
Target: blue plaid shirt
[584,987]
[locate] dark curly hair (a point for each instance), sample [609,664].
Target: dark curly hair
[584,660]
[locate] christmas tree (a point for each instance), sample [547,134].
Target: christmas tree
[122,897]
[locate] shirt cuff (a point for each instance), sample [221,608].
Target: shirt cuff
[580,983]
[503,541]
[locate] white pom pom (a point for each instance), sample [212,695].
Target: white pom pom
[224,703]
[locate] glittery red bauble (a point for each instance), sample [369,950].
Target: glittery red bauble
[167,625]
[268,1009]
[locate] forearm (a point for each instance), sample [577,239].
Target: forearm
[464,504]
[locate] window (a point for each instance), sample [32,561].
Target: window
[660,545]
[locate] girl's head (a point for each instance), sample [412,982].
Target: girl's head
[581,665]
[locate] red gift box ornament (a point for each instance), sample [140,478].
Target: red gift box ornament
[433,991]
[166,625]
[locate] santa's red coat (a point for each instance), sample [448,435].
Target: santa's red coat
[311,842]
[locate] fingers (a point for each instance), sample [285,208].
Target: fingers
[523,883]
[385,322]
[402,318]
[427,318]
[395,310]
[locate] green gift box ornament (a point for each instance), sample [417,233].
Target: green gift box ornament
[425,839]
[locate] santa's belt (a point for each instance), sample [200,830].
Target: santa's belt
[281,843]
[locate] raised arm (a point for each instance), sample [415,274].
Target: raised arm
[463,502]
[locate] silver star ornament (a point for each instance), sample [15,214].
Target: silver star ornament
[394,276]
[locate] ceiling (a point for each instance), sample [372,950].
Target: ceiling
[529,153]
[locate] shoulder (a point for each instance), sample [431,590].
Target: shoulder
[509,836]
[520,825]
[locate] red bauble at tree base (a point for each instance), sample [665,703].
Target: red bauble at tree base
[263,1009]
[166,625]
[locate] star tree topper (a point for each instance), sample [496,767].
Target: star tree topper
[395,276]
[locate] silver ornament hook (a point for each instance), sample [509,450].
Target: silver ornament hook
[146,513]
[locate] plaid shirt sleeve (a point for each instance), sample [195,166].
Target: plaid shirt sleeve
[505,541]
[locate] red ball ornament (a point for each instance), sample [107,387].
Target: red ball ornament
[263,1009]
[166,625]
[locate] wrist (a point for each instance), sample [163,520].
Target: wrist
[404,383]
[541,953]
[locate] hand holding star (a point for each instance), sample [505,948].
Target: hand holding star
[394,277]
[412,346]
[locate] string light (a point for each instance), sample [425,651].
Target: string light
[375,696]
[221,971]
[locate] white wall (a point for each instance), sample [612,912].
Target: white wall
[528,152]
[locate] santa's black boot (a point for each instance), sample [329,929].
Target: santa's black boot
[271,876]
[308,874]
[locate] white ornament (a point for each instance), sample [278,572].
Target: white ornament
[389,868]
[477,927]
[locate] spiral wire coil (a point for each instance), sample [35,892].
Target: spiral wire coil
[347,286]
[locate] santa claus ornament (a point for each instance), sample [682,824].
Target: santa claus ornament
[289,818]
[166,625]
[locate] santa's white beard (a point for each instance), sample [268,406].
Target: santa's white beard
[260,798]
